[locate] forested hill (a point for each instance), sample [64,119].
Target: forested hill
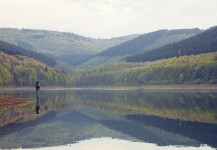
[202,43]
[149,41]
[193,69]
[17,70]
[145,42]
[12,50]
[67,47]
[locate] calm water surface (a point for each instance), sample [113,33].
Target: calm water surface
[109,119]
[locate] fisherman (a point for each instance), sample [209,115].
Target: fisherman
[37,86]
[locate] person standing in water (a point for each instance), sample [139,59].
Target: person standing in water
[37,87]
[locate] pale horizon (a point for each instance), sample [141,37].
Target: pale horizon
[107,18]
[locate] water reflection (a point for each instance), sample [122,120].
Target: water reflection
[37,107]
[203,132]
[161,118]
[118,144]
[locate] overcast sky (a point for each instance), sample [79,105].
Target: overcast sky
[108,18]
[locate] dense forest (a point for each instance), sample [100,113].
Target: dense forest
[186,69]
[12,50]
[145,42]
[67,47]
[201,43]
[23,71]
[182,66]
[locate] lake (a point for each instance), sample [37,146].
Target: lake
[111,119]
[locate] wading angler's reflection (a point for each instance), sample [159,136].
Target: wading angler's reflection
[37,87]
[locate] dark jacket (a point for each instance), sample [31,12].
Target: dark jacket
[37,86]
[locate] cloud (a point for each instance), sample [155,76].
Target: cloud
[107,18]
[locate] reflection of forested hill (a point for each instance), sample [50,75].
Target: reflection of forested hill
[50,101]
[50,130]
[70,116]
[15,127]
[203,132]
[190,106]
[143,133]
[54,131]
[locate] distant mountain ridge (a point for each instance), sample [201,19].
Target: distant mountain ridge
[145,42]
[149,41]
[204,42]
[67,47]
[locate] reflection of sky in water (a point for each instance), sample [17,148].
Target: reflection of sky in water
[116,144]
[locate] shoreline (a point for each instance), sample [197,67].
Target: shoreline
[142,87]
[6,102]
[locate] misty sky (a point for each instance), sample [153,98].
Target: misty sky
[108,18]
